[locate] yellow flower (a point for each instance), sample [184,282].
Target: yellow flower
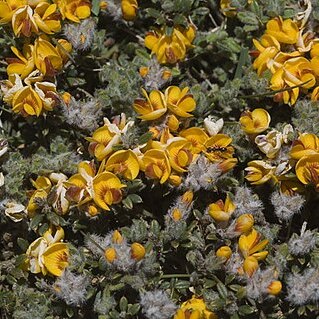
[268,48]
[285,31]
[74,10]
[295,71]
[137,251]
[250,245]
[7,9]
[259,172]
[156,165]
[221,211]
[255,122]
[23,22]
[42,182]
[80,185]
[218,148]
[55,258]
[307,170]
[224,252]
[194,308]
[179,154]
[107,136]
[306,144]
[23,64]
[46,57]
[48,253]
[10,87]
[47,18]
[129,9]
[179,102]
[107,190]
[170,48]
[197,136]
[124,162]
[244,223]
[154,106]
[27,102]
[54,234]
[226,8]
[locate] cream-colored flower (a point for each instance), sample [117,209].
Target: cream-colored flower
[269,144]
[213,127]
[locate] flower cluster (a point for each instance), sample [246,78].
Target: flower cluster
[170,46]
[48,254]
[289,162]
[290,54]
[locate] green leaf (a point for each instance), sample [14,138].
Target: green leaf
[145,138]
[243,59]
[133,309]
[246,310]
[22,243]
[123,304]
[222,290]
[151,12]
[95,7]
[36,220]
[136,199]
[127,203]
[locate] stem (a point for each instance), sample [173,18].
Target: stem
[168,276]
[92,240]
[272,92]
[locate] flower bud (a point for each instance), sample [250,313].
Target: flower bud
[110,254]
[137,251]
[250,265]
[93,210]
[244,223]
[274,288]
[224,252]
[187,197]
[166,74]
[172,122]
[143,71]
[177,214]
[117,237]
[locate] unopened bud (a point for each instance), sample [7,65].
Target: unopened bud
[137,251]
[187,197]
[176,214]
[172,123]
[274,288]
[224,252]
[117,237]
[143,71]
[244,223]
[250,265]
[110,254]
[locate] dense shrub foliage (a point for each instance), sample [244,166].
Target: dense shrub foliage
[159,159]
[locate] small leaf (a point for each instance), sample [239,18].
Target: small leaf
[123,304]
[127,203]
[36,220]
[246,310]
[133,309]
[222,290]
[22,243]
[145,138]
[96,7]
